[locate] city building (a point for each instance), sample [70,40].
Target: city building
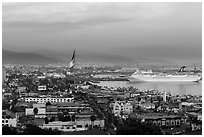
[164,96]
[78,125]
[73,107]
[49,99]
[9,122]
[162,120]
[42,88]
[9,118]
[41,112]
[121,107]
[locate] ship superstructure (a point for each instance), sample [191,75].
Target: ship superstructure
[149,76]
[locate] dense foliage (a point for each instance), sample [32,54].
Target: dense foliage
[29,130]
[134,127]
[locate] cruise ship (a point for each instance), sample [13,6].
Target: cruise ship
[149,76]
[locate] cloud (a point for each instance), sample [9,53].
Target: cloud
[74,15]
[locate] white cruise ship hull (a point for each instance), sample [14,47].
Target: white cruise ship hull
[186,78]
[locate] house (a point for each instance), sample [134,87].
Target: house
[134,94]
[147,105]
[9,118]
[9,122]
[121,107]
[42,88]
[102,100]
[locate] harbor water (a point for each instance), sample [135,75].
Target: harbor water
[175,88]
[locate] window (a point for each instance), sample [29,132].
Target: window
[159,123]
[177,122]
[163,122]
[79,126]
[2,121]
[167,123]
[172,122]
[6,121]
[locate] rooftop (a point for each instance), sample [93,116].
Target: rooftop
[155,116]
[72,104]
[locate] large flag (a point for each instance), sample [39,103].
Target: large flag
[72,63]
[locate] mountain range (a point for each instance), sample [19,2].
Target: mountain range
[26,58]
[48,57]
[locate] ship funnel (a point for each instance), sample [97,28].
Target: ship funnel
[182,69]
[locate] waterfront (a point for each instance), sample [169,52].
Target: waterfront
[175,88]
[69,69]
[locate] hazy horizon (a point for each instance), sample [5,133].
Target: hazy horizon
[168,31]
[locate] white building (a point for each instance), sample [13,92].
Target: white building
[79,125]
[41,77]
[164,96]
[56,75]
[119,107]
[4,75]
[9,122]
[41,112]
[42,88]
[38,105]
[49,99]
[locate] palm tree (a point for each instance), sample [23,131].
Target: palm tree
[93,118]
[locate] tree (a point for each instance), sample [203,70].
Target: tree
[138,99]
[110,119]
[136,127]
[46,120]
[8,131]
[60,117]
[35,130]
[73,118]
[48,103]
[68,118]
[35,111]
[52,119]
[93,118]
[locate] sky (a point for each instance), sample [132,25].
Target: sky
[171,31]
